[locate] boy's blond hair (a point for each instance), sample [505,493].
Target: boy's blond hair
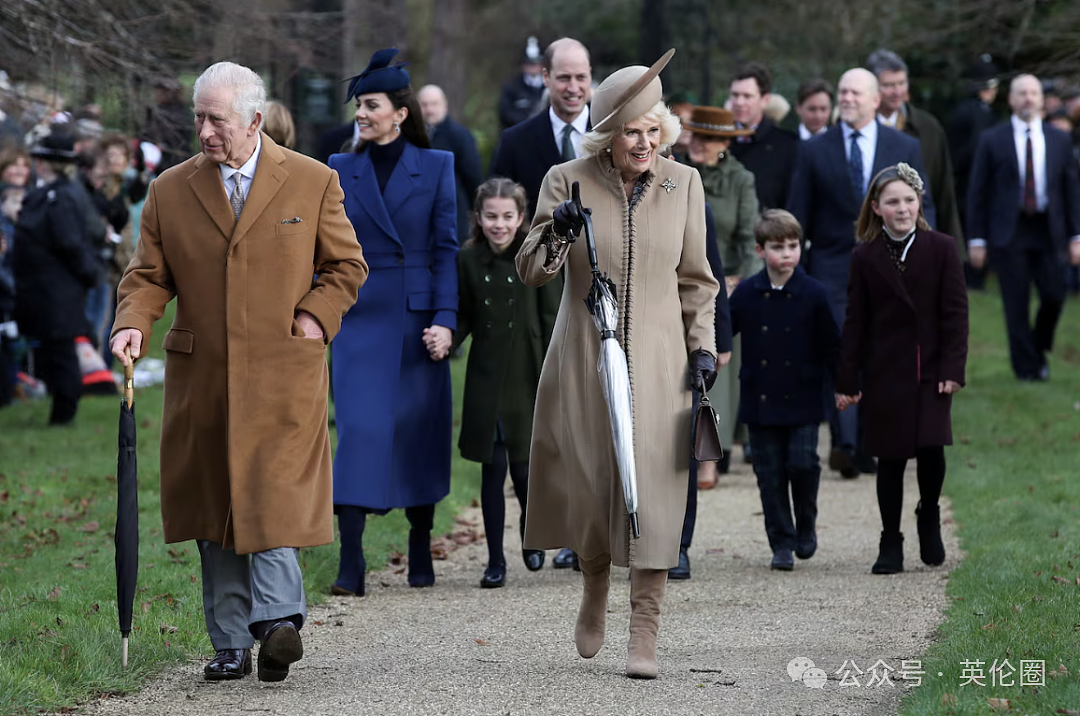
[776,225]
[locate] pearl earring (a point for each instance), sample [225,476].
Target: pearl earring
[397,127]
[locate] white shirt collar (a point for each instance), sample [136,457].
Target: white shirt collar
[1021,127]
[805,133]
[869,132]
[580,123]
[247,170]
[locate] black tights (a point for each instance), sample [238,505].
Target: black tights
[930,470]
[492,502]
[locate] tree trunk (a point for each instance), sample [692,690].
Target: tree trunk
[449,53]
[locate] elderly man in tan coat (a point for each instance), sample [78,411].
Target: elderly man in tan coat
[649,219]
[253,242]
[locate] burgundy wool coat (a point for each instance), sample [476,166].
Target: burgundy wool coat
[904,334]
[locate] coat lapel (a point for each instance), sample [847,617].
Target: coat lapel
[270,175]
[206,184]
[368,196]
[879,256]
[403,180]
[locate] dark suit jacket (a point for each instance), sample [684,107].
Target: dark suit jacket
[790,343]
[994,191]
[770,155]
[902,335]
[971,118]
[454,138]
[934,148]
[724,340]
[332,140]
[526,152]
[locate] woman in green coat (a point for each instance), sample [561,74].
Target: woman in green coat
[729,190]
[511,326]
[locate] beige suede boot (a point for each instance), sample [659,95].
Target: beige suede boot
[592,616]
[646,597]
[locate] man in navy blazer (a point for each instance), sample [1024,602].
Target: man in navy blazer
[1024,208]
[831,179]
[527,150]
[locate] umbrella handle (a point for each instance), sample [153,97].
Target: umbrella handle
[129,378]
[586,215]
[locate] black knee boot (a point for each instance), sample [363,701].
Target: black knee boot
[890,554]
[351,564]
[421,569]
[931,548]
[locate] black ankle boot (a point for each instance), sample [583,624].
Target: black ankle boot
[421,570]
[890,554]
[928,521]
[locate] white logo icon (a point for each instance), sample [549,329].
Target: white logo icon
[802,669]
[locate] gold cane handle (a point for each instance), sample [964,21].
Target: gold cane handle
[129,378]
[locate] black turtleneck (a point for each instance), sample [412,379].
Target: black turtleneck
[384,157]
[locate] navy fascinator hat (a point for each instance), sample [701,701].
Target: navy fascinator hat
[379,76]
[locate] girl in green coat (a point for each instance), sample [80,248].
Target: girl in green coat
[511,326]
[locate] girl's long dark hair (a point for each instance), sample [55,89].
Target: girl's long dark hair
[497,188]
[413,127]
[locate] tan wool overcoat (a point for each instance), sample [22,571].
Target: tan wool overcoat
[245,451]
[655,254]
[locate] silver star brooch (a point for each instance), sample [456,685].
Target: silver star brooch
[668,185]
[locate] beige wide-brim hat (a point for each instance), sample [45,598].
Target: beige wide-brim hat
[628,93]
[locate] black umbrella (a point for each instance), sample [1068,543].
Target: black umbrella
[126,535]
[614,374]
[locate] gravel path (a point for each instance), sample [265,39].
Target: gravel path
[727,636]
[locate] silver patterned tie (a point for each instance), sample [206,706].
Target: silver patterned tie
[236,199]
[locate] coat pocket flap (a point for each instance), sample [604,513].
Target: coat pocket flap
[424,301]
[301,227]
[179,340]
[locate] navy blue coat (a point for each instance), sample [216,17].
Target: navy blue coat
[790,344]
[822,200]
[994,189]
[393,403]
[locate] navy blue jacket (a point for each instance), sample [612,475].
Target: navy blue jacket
[994,191]
[790,343]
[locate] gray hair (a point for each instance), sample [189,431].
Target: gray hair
[595,142]
[885,61]
[249,93]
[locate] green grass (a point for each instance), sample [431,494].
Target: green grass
[59,642]
[1013,483]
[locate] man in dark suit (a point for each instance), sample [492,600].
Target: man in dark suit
[527,150]
[770,152]
[1024,208]
[833,175]
[897,112]
[450,136]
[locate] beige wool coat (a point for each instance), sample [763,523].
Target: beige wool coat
[245,451]
[666,292]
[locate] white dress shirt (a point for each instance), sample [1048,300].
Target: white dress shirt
[805,133]
[867,144]
[1038,157]
[246,172]
[580,125]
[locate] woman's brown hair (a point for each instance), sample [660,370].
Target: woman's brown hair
[413,127]
[497,188]
[869,226]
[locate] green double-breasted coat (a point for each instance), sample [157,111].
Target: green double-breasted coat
[511,326]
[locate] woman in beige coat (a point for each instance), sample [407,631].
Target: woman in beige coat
[648,215]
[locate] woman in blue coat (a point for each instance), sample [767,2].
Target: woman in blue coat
[391,380]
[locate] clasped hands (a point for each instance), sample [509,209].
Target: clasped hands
[944,387]
[437,340]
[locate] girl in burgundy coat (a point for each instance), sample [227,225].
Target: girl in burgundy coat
[905,340]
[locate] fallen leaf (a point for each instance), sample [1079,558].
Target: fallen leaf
[999,704]
[1060,671]
[948,700]
[481,642]
[90,527]
[94,609]
[439,552]
[167,629]
[988,626]
[111,478]
[1031,488]
[4,496]
[1054,534]
[1060,580]
[317,623]
[474,503]
[54,594]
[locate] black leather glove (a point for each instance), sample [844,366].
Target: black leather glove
[702,370]
[567,221]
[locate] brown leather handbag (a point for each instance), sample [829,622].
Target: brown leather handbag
[705,435]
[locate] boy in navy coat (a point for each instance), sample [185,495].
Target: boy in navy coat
[790,343]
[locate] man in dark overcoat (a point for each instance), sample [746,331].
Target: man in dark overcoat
[770,152]
[1024,211]
[448,135]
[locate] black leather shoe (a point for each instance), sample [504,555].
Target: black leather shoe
[806,546]
[683,570]
[534,559]
[783,559]
[281,646]
[565,559]
[843,463]
[494,576]
[228,664]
